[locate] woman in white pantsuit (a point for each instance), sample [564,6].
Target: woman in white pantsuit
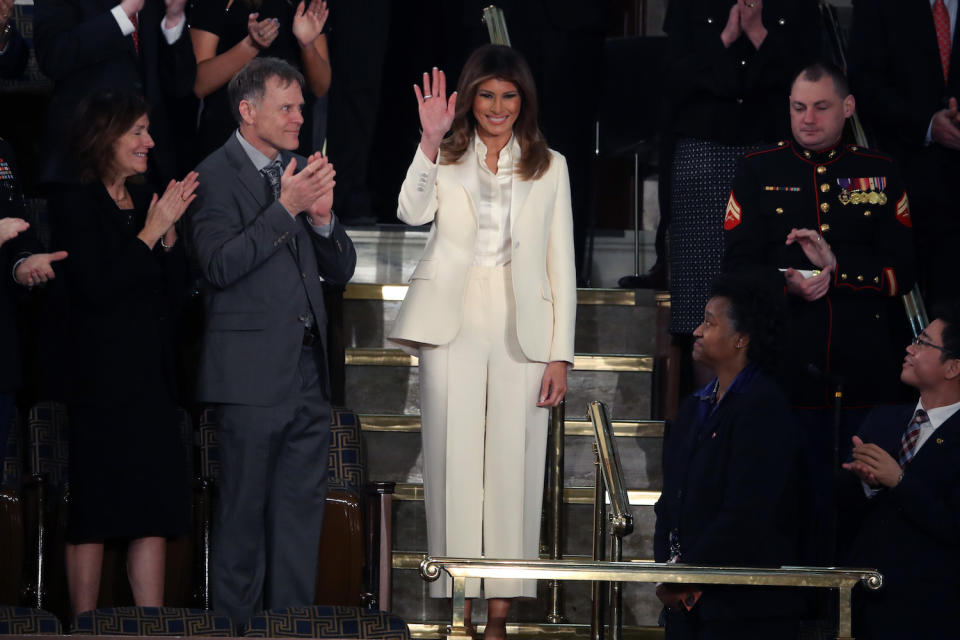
[490,312]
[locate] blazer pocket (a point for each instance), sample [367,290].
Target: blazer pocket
[242,321]
[426,270]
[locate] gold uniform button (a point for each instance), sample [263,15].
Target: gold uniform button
[876,280]
[867,213]
[821,169]
[825,187]
[781,143]
[843,276]
[824,228]
[859,278]
[806,154]
[832,154]
[825,207]
[853,147]
[779,210]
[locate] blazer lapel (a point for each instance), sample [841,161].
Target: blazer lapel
[248,176]
[518,197]
[467,174]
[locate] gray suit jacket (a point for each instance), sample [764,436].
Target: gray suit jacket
[258,285]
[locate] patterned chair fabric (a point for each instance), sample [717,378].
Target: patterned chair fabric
[22,621]
[152,621]
[326,622]
[12,470]
[346,450]
[209,451]
[48,434]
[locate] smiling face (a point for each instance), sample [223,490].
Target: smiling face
[496,107]
[818,113]
[273,122]
[715,340]
[131,149]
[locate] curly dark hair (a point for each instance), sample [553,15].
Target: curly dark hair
[756,309]
[99,121]
[949,313]
[504,63]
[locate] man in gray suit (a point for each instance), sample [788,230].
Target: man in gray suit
[265,238]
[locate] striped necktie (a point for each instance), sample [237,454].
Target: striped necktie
[941,22]
[273,171]
[910,437]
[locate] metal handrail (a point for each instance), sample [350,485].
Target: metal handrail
[496,25]
[621,519]
[459,569]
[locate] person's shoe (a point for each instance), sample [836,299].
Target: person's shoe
[656,278]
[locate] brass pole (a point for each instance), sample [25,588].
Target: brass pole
[599,535]
[616,590]
[557,421]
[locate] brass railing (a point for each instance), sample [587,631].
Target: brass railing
[609,482]
[459,569]
[496,25]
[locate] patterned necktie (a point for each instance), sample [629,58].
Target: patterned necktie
[273,171]
[941,21]
[136,32]
[910,437]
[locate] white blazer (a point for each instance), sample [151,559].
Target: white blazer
[542,258]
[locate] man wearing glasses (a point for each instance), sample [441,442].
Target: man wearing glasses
[907,461]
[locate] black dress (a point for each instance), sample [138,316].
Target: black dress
[127,474]
[227,19]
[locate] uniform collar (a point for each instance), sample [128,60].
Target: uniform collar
[820,157]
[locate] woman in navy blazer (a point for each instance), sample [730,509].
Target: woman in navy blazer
[730,473]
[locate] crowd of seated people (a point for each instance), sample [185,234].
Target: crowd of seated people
[825,228]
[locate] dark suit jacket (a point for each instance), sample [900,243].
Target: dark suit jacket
[898,81]
[122,297]
[258,285]
[14,58]
[911,533]
[79,45]
[730,490]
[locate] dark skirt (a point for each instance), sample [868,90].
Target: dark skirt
[128,475]
[702,177]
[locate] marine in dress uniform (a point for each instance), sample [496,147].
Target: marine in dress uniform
[855,199]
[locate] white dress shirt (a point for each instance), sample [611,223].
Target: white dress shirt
[172,34]
[492,248]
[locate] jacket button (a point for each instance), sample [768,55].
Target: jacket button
[825,207]
[821,169]
[825,187]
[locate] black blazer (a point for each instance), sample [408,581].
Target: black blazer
[730,490]
[911,533]
[79,45]
[897,78]
[122,297]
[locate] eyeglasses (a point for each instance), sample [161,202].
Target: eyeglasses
[920,342]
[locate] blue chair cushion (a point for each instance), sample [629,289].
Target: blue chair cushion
[326,622]
[20,621]
[152,621]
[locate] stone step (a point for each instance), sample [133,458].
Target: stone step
[438,630]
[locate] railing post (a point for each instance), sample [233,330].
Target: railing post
[458,629]
[555,489]
[599,547]
[844,626]
[616,590]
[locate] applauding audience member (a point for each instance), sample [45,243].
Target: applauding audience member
[127,465]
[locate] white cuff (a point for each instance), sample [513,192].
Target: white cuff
[13,273]
[173,33]
[323,230]
[929,139]
[868,490]
[126,27]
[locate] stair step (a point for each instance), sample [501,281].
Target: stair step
[614,297]
[571,495]
[397,423]
[366,356]
[427,630]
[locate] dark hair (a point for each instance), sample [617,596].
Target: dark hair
[503,63]
[949,314]
[817,70]
[755,308]
[99,121]
[250,83]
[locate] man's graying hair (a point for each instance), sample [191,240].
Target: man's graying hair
[250,83]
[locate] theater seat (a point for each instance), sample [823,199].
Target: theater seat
[152,621]
[326,622]
[23,621]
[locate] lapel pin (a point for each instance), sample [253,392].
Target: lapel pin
[939,440]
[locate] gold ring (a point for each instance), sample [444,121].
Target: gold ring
[751,4]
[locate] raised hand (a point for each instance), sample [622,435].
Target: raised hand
[165,210]
[814,247]
[10,228]
[262,33]
[320,211]
[945,126]
[299,191]
[131,7]
[308,22]
[37,268]
[751,21]
[6,11]
[731,31]
[436,111]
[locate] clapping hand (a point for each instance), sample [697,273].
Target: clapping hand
[37,268]
[320,211]
[945,126]
[816,249]
[10,228]
[436,111]
[299,191]
[308,22]
[165,210]
[262,33]
[874,465]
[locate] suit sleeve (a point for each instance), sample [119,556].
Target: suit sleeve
[66,42]
[885,266]
[14,59]
[225,249]
[418,196]
[336,255]
[872,75]
[561,269]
